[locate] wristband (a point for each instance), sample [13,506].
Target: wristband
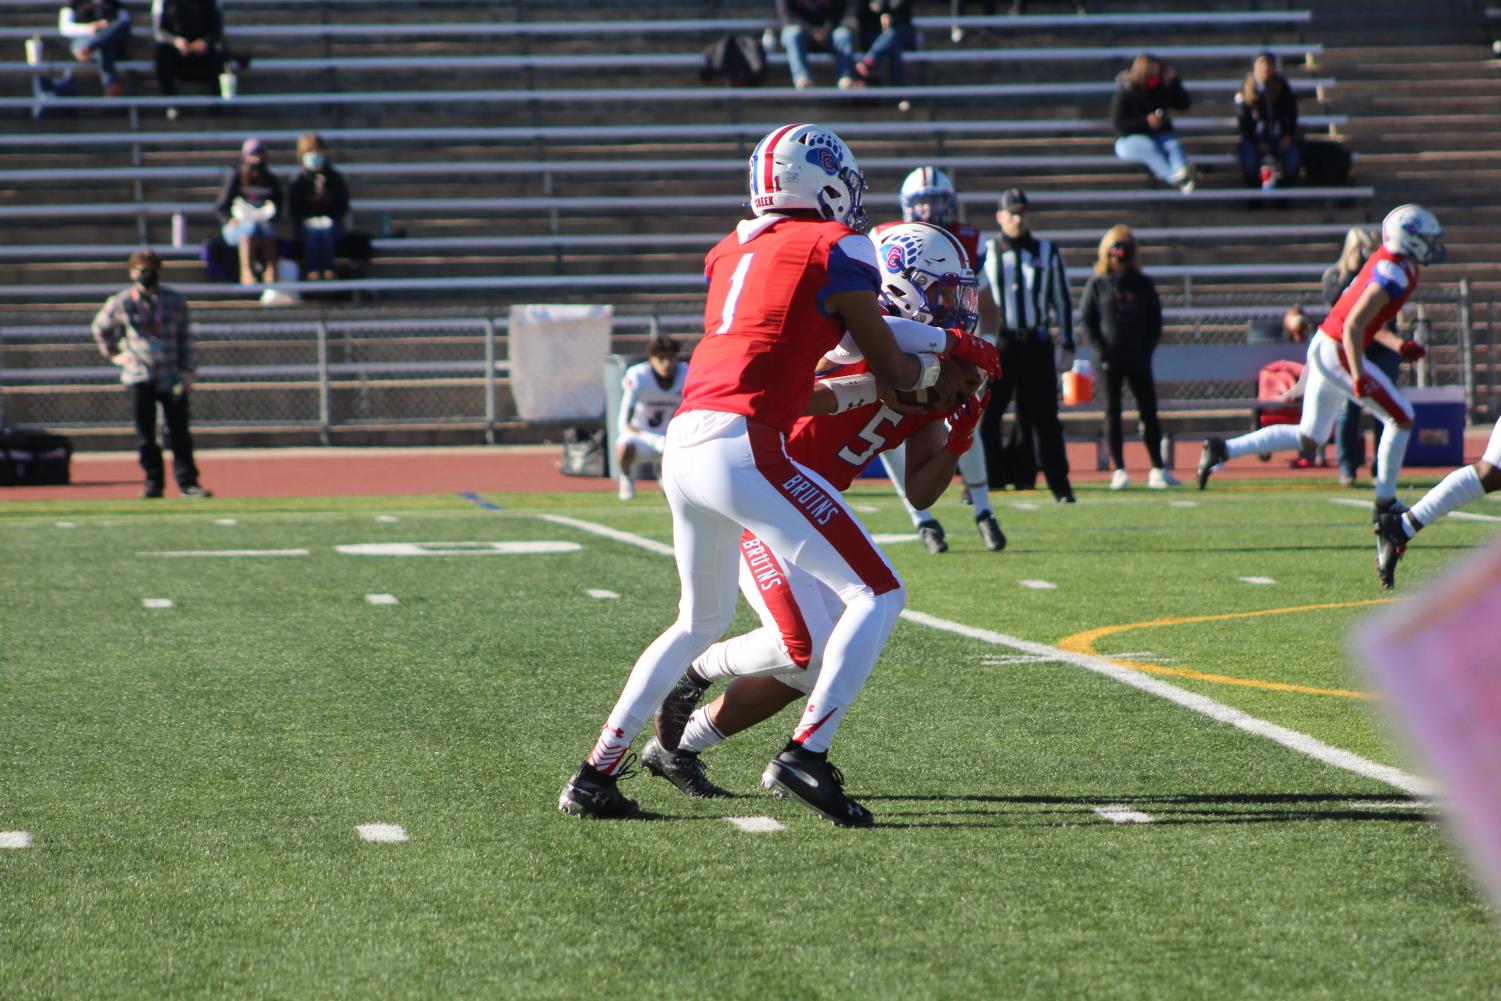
[930,368]
[851,391]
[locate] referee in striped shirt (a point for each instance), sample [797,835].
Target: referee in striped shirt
[1028,292]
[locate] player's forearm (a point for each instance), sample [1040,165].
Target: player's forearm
[926,484]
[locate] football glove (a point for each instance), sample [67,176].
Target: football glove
[1411,351]
[962,422]
[978,352]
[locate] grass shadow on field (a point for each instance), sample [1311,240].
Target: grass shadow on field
[1188,808]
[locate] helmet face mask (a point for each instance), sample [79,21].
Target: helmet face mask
[927,195]
[807,168]
[926,277]
[1414,232]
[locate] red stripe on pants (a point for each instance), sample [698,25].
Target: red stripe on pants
[1379,395]
[832,519]
[771,579]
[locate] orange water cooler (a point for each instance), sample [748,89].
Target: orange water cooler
[1078,384]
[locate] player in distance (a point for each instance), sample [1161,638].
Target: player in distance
[779,662]
[927,195]
[1394,529]
[1410,238]
[652,391]
[784,288]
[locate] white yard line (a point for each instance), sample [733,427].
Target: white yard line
[1257,580]
[1182,503]
[382,599]
[67,524]
[757,825]
[227,522]
[893,538]
[600,593]
[1458,515]
[1399,804]
[382,832]
[157,602]
[865,508]
[15,839]
[386,519]
[1293,740]
[232,553]
[1024,506]
[1123,815]
[650,545]
[1038,585]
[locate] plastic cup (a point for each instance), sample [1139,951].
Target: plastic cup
[34,50]
[229,86]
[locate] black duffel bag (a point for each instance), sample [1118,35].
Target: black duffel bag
[584,452]
[33,458]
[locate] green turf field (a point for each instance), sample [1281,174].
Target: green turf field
[192,777]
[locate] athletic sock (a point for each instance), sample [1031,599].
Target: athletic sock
[1272,438]
[700,734]
[1389,456]
[610,750]
[1459,488]
[815,731]
[979,496]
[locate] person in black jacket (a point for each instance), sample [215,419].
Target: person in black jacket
[189,43]
[1139,112]
[1122,320]
[1270,154]
[818,26]
[318,202]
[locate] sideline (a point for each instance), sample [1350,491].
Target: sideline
[1291,739]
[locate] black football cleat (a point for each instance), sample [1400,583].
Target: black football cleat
[672,715]
[809,778]
[594,795]
[1214,453]
[1391,543]
[931,534]
[990,531]
[1390,506]
[682,769]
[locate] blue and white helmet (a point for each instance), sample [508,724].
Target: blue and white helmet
[1413,232]
[928,195]
[926,276]
[807,167]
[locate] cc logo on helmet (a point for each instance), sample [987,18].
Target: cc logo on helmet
[825,159]
[896,257]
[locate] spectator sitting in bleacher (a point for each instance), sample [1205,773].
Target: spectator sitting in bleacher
[816,25]
[189,43]
[886,31]
[318,201]
[1270,153]
[1139,111]
[97,30]
[248,207]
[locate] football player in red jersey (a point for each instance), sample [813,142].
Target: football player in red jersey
[775,664]
[1410,238]
[927,195]
[783,289]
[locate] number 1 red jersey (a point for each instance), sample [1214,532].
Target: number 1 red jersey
[765,327]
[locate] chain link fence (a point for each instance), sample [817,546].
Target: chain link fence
[449,369]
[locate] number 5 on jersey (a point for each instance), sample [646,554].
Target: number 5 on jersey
[872,435]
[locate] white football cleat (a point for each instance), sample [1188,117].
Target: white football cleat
[1161,479]
[1119,480]
[627,488]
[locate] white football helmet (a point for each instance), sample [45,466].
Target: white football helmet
[807,167]
[925,276]
[1413,231]
[928,196]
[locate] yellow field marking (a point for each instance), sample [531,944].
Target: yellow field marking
[1084,643]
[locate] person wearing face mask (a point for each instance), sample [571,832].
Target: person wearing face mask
[1139,111]
[1270,156]
[319,202]
[146,331]
[247,207]
[1122,319]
